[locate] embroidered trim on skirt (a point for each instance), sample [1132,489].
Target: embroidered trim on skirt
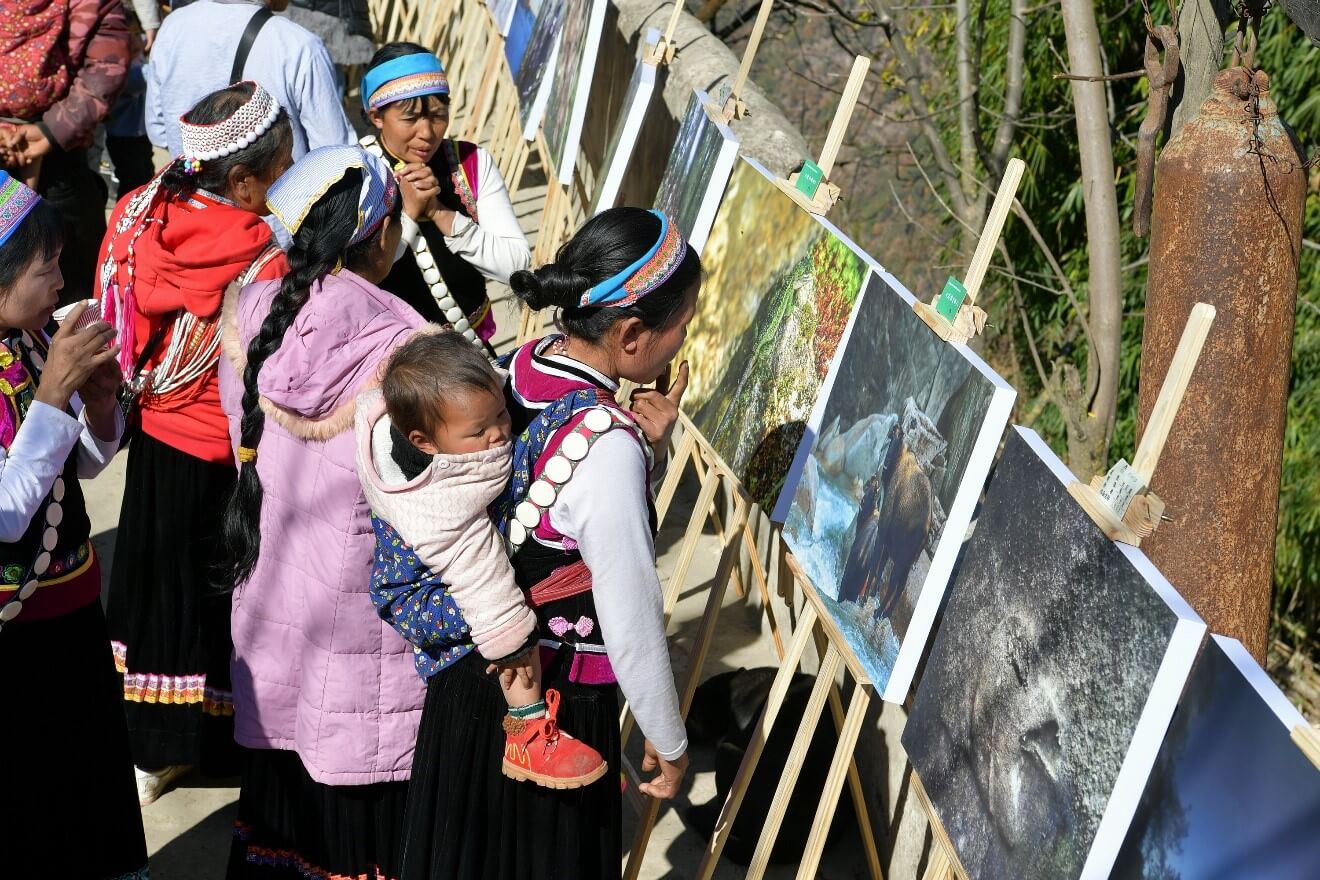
[290,827]
[68,796]
[169,625]
[467,821]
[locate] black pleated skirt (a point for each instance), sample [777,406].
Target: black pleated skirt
[467,821]
[291,827]
[169,625]
[67,793]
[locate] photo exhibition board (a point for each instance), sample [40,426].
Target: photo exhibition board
[1230,794]
[779,288]
[536,72]
[883,486]
[697,171]
[522,16]
[1058,664]
[637,100]
[502,11]
[566,103]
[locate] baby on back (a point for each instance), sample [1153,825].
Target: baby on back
[434,451]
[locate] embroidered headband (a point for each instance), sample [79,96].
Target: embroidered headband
[411,76]
[203,143]
[16,202]
[292,196]
[646,274]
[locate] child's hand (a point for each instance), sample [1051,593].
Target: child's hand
[520,673]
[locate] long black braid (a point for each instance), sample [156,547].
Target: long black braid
[320,243]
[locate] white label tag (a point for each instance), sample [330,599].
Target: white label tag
[1121,485]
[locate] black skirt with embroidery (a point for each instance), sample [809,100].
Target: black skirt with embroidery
[169,624]
[67,795]
[467,821]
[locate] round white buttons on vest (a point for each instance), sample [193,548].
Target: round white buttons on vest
[54,514]
[517,533]
[453,315]
[41,565]
[462,325]
[431,275]
[11,610]
[49,539]
[57,492]
[528,514]
[476,340]
[598,421]
[425,260]
[542,493]
[557,469]
[574,447]
[28,589]
[446,302]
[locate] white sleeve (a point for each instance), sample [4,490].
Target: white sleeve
[496,247]
[604,508]
[156,130]
[35,458]
[148,14]
[95,454]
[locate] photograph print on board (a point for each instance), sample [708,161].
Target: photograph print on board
[1057,667]
[502,11]
[1230,794]
[566,105]
[536,68]
[780,287]
[877,503]
[697,171]
[637,100]
[522,22]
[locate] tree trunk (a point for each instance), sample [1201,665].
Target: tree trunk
[967,107]
[1201,25]
[1105,297]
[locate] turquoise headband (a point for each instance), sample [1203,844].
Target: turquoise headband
[645,274]
[411,76]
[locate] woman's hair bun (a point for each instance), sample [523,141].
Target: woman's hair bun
[552,285]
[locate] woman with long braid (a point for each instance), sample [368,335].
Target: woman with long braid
[174,246]
[324,694]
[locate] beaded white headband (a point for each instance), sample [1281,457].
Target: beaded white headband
[204,143]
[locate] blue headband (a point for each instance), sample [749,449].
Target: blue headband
[16,202]
[644,275]
[410,76]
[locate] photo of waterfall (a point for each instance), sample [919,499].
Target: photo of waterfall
[1056,671]
[780,286]
[876,505]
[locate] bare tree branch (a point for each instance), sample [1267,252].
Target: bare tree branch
[1014,80]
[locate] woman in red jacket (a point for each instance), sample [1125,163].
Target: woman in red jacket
[173,249]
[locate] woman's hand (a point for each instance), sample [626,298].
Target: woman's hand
[443,218]
[100,397]
[73,357]
[657,411]
[418,186]
[666,785]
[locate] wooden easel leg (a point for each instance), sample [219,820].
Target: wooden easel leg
[692,678]
[674,475]
[486,92]
[829,666]
[839,770]
[691,538]
[769,713]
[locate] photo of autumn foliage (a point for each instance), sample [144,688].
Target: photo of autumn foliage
[780,286]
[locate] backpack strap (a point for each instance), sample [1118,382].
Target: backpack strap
[254,26]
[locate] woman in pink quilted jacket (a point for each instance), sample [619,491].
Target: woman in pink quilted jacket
[324,694]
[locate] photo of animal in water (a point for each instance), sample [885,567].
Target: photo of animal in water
[1230,795]
[535,69]
[1057,668]
[761,347]
[565,108]
[698,169]
[877,504]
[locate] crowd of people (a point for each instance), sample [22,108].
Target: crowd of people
[391,578]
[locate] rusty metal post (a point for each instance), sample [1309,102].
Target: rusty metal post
[1229,193]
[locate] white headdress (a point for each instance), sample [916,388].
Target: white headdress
[203,143]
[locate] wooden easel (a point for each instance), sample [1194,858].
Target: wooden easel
[969,320]
[1121,502]
[823,197]
[814,625]
[944,863]
[495,78]
[734,108]
[663,52]
[1307,738]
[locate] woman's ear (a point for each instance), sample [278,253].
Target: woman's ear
[630,333]
[377,118]
[242,187]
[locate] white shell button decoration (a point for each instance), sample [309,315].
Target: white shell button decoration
[528,514]
[574,447]
[598,421]
[542,493]
[557,470]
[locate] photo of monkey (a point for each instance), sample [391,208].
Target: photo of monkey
[897,451]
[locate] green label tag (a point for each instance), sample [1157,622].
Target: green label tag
[951,299]
[809,178]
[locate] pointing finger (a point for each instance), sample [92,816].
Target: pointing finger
[675,392]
